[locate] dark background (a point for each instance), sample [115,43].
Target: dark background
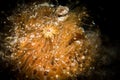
[105,14]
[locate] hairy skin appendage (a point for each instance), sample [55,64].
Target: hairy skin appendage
[47,42]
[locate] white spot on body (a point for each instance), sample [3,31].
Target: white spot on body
[62,18]
[62,10]
[73,64]
[93,67]
[78,42]
[19,62]
[32,43]
[47,4]
[34,57]
[32,36]
[81,65]
[56,76]
[83,57]
[68,73]
[22,39]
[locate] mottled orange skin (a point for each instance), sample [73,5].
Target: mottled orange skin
[46,48]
